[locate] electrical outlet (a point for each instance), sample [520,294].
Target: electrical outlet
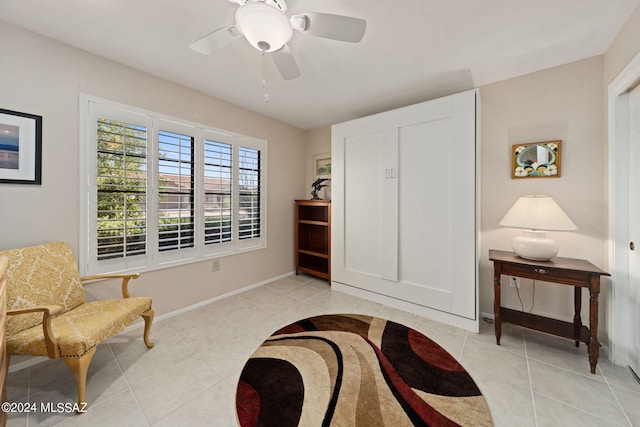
[215,265]
[514,282]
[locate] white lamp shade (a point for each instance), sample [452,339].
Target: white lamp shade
[266,28]
[537,212]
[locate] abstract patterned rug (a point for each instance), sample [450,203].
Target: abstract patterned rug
[355,370]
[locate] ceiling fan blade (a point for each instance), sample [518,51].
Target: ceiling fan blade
[335,27]
[286,63]
[216,40]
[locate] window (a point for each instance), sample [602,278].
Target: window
[249,193]
[121,182]
[217,192]
[176,191]
[159,192]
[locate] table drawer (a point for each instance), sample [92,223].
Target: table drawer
[547,274]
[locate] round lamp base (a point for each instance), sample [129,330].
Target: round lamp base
[534,245]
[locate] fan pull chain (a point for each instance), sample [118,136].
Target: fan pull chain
[264,77]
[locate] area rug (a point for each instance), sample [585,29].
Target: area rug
[355,370]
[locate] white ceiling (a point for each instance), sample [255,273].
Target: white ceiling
[413,50]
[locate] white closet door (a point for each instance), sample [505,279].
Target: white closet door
[634,230]
[363,155]
[404,205]
[369,246]
[437,238]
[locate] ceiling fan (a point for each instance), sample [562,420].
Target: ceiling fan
[265,24]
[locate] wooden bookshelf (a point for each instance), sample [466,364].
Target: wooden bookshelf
[313,238]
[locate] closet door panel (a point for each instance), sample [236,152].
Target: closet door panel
[363,187]
[368,199]
[425,212]
[437,211]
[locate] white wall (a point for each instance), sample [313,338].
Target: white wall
[41,76]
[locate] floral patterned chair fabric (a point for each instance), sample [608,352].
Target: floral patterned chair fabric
[49,316]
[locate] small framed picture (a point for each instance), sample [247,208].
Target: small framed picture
[536,160]
[20,148]
[322,165]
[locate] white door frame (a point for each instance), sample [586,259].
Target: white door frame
[618,152]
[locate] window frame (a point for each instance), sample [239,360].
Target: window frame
[121,149]
[93,107]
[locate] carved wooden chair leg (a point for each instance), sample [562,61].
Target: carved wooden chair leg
[148,319]
[79,366]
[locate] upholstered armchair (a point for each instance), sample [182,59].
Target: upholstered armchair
[48,315]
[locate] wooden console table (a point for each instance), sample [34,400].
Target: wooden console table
[566,271]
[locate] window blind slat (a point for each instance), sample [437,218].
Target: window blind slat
[249,191]
[121,189]
[218,219]
[175,191]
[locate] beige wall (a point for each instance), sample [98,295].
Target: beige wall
[624,47]
[318,141]
[564,103]
[559,103]
[567,102]
[44,77]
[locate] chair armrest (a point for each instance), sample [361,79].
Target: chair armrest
[4,263]
[125,280]
[48,311]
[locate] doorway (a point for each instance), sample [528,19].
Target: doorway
[625,268]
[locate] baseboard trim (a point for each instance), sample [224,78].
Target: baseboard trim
[471,325]
[211,300]
[39,359]
[488,316]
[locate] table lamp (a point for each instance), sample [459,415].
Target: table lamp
[534,214]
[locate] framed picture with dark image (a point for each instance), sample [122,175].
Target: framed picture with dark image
[20,148]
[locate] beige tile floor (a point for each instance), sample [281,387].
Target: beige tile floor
[189,377]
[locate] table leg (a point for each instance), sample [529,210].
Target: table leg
[497,321]
[594,346]
[577,321]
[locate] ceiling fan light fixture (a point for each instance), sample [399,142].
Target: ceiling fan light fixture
[299,22]
[265,27]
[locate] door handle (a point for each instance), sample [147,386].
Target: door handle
[632,246]
[389,173]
